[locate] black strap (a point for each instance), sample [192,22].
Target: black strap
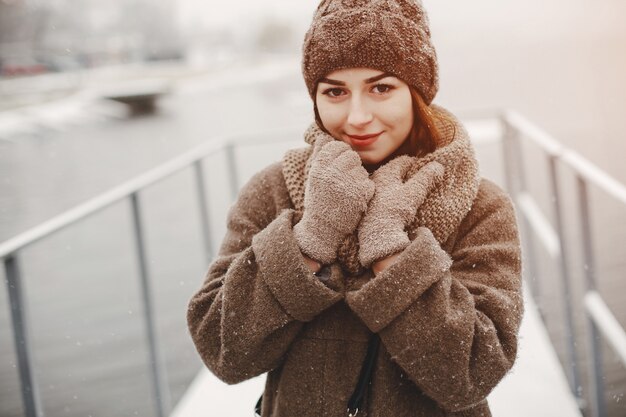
[257,407]
[356,400]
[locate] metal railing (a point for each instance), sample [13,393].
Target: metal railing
[514,129]
[600,319]
[130,191]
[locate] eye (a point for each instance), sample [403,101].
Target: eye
[382,88]
[333,92]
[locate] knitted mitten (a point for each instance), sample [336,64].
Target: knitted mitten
[393,207]
[336,194]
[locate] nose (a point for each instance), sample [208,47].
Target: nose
[359,114]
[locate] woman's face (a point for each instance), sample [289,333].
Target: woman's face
[369,110]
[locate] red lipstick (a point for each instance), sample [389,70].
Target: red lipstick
[363,140]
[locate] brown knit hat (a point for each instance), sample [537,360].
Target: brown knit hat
[387,35]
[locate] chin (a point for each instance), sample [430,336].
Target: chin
[369,161]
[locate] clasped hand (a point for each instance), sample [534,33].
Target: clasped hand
[340,196]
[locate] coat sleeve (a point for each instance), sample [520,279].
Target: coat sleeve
[451,321]
[257,292]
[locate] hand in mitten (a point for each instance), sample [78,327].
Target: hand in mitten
[336,194]
[393,207]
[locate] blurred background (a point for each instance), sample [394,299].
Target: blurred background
[94,94]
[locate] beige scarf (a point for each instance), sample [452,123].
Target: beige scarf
[444,208]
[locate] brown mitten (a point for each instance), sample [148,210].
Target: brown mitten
[336,194]
[393,207]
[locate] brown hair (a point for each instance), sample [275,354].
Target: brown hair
[423,137]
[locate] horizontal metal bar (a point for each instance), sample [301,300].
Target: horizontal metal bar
[606,322]
[131,186]
[110,197]
[595,175]
[533,133]
[539,224]
[574,160]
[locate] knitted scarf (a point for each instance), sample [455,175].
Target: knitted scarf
[442,211]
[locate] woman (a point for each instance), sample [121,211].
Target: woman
[382,226]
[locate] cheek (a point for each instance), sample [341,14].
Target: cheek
[330,116]
[407,121]
[400,116]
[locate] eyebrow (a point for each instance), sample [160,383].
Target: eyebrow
[367,81]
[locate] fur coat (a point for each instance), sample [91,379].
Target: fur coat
[447,311]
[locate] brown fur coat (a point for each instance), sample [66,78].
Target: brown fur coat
[447,313]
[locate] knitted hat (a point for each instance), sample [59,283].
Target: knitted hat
[388,35]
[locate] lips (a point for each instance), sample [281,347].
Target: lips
[363,140]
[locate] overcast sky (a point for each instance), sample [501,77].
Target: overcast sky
[536,19]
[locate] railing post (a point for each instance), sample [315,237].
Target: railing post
[515,174]
[570,333]
[159,379]
[19,319]
[204,210]
[598,407]
[509,138]
[233,176]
